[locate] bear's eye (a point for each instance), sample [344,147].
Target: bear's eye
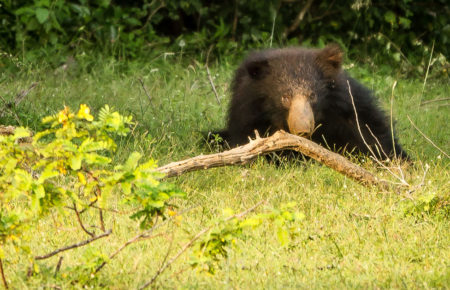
[313,96]
[286,100]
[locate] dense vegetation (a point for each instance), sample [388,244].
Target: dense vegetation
[403,30]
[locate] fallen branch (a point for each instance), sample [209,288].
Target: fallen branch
[277,142]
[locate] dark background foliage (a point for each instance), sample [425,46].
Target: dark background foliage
[403,30]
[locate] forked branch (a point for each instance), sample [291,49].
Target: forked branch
[277,142]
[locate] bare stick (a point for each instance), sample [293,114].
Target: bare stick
[100,210]
[166,256]
[235,20]
[20,96]
[8,107]
[77,245]
[426,74]
[196,237]
[433,101]
[58,266]
[142,236]
[209,76]
[298,19]
[378,142]
[392,122]
[80,221]
[102,222]
[135,239]
[5,284]
[357,120]
[428,139]
[147,21]
[402,180]
[145,90]
[85,209]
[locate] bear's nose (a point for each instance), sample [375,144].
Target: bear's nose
[300,117]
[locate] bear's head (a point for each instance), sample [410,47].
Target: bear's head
[290,84]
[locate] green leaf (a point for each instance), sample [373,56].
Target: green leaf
[283,236]
[75,161]
[42,15]
[287,215]
[405,22]
[390,17]
[21,132]
[93,158]
[132,161]
[48,172]
[126,187]
[39,191]
[251,222]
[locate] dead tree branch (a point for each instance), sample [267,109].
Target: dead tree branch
[278,141]
[298,19]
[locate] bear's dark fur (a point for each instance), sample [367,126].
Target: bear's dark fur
[305,92]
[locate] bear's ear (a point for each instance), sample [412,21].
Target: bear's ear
[329,60]
[257,69]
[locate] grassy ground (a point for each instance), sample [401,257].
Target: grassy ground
[351,236]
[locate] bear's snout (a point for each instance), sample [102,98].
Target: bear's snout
[300,117]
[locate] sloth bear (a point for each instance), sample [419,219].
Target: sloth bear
[305,92]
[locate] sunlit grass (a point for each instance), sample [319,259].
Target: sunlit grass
[351,236]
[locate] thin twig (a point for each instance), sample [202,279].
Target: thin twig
[235,20]
[77,245]
[102,222]
[20,96]
[167,253]
[273,28]
[426,74]
[357,120]
[5,284]
[58,266]
[298,19]
[196,237]
[402,181]
[147,21]
[85,209]
[209,76]
[100,210]
[396,47]
[137,238]
[392,122]
[142,236]
[435,100]
[80,222]
[8,107]
[145,90]
[428,139]
[378,142]
[382,151]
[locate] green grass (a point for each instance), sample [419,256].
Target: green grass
[352,236]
